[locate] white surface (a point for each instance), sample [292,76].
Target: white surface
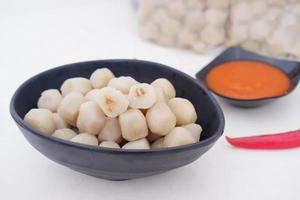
[37,35]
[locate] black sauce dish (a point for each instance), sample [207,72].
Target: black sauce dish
[290,68]
[119,164]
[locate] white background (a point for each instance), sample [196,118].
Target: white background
[36,35]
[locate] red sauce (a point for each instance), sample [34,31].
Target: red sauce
[244,79]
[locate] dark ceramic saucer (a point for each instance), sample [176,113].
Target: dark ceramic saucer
[119,164]
[290,68]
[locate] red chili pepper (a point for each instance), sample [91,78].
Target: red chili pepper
[285,140]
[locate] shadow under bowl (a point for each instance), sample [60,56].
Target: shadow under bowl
[290,68]
[119,164]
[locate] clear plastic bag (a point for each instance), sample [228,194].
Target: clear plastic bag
[267,26]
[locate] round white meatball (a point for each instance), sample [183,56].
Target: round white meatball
[111,131]
[91,118]
[122,83]
[166,86]
[93,95]
[133,125]
[142,96]
[137,144]
[178,136]
[64,133]
[50,99]
[160,119]
[101,77]
[194,129]
[212,35]
[69,107]
[40,119]
[215,17]
[78,84]
[85,138]
[184,111]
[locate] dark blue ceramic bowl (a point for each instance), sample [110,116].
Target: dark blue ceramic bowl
[119,164]
[290,68]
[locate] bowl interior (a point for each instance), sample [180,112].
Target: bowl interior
[209,114]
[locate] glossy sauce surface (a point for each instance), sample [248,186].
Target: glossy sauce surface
[245,79]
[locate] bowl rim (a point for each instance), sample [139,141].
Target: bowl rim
[201,75]
[38,133]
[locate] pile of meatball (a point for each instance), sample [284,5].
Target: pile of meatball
[195,24]
[116,112]
[267,26]
[270,27]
